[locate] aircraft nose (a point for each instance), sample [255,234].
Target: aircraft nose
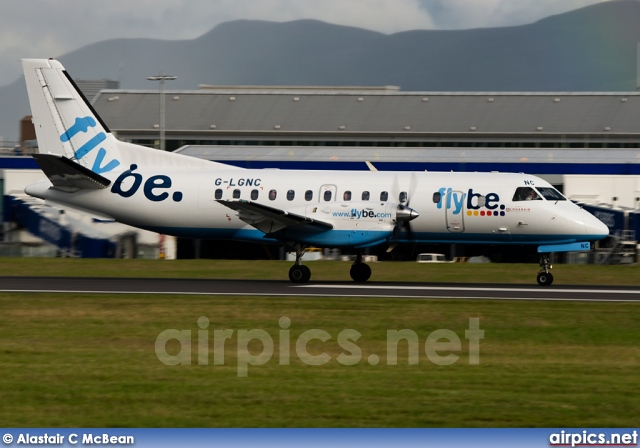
[594,228]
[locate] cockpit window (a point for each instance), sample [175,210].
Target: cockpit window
[526,194]
[551,194]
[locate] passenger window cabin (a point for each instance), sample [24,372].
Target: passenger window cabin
[384,196]
[346,196]
[291,194]
[272,195]
[308,195]
[218,193]
[366,195]
[255,194]
[236,193]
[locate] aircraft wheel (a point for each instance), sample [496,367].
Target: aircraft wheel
[545,278]
[360,272]
[299,274]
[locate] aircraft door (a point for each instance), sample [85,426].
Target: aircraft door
[455,205]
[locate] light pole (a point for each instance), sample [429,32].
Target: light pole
[162,78]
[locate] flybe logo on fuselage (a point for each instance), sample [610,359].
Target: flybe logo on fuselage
[82,125]
[155,188]
[475,203]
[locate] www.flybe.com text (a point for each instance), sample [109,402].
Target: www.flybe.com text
[360,214]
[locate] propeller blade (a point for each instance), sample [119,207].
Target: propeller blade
[395,188]
[413,183]
[404,213]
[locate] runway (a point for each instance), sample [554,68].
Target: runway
[317,289]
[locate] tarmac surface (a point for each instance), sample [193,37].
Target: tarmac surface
[282,288]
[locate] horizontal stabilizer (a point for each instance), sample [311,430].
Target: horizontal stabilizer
[271,219]
[67,175]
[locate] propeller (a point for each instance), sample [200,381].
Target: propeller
[404,214]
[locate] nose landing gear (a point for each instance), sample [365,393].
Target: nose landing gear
[545,278]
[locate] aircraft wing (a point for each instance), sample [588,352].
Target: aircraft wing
[67,175]
[270,219]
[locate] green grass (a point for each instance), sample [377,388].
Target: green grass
[89,361]
[321,271]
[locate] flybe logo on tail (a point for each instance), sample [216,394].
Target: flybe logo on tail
[82,125]
[477,204]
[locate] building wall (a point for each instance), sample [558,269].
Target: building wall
[620,191]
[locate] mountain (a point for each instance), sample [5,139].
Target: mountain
[590,49]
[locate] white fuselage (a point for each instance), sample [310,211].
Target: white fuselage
[184,202]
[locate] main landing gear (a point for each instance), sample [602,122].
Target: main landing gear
[360,272]
[299,273]
[545,278]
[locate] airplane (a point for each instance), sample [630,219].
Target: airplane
[87,167]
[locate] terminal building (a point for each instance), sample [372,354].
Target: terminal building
[538,133]
[548,134]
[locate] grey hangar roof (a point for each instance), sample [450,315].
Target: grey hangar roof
[523,156]
[373,113]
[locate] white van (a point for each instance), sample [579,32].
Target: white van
[432,258]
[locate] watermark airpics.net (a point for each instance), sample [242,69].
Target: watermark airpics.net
[593,438]
[256,347]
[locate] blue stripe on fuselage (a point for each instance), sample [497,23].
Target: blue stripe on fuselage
[345,238]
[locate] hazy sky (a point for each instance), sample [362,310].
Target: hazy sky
[51,28]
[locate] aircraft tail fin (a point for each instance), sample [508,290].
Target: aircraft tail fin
[67,126]
[65,122]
